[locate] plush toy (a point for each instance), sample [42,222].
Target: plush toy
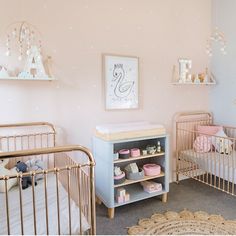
[26,180]
[35,165]
[4,171]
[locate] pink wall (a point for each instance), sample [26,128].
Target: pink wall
[77,32]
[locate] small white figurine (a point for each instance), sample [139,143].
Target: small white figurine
[197,80]
[184,66]
[158,147]
[117,171]
[206,79]
[4,73]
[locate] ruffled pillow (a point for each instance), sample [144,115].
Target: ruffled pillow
[202,144]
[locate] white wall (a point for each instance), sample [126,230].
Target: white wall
[76,33]
[223,98]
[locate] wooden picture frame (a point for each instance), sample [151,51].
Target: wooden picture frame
[121,82]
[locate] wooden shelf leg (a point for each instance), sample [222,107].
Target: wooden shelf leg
[111,213]
[164,198]
[98,201]
[177,178]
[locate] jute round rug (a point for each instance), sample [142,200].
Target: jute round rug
[184,223]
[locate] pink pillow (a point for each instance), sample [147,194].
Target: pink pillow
[208,129]
[202,144]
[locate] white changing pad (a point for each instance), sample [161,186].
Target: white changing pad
[223,166]
[14,211]
[119,131]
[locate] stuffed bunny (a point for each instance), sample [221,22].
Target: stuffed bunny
[35,165]
[5,172]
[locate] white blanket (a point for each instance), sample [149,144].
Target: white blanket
[14,211]
[221,165]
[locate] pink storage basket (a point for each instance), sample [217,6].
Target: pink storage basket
[135,152]
[152,169]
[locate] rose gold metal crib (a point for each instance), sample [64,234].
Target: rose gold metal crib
[62,200]
[215,169]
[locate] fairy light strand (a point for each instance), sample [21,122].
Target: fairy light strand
[21,36]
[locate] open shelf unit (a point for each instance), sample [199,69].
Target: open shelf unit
[106,189]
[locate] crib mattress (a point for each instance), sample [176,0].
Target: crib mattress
[223,166]
[112,132]
[14,211]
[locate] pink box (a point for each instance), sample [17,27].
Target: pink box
[120,199]
[151,186]
[135,152]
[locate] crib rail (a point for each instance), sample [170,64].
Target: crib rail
[215,165]
[24,136]
[77,179]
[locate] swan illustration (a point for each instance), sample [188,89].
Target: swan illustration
[122,88]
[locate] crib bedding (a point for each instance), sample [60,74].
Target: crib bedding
[223,166]
[14,210]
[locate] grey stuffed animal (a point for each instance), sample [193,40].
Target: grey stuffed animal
[26,180]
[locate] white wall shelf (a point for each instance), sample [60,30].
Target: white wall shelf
[28,79]
[197,84]
[176,79]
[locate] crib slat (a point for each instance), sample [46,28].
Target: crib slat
[46,200]
[92,199]
[28,142]
[228,185]
[89,214]
[83,193]
[7,206]
[47,156]
[69,199]
[80,200]
[41,145]
[58,202]
[8,142]
[15,144]
[223,174]
[233,167]
[215,183]
[34,206]
[219,179]
[21,205]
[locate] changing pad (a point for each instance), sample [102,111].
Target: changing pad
[110,132]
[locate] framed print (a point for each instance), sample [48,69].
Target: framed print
[121,78]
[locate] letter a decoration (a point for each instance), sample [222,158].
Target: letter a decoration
[34,66]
